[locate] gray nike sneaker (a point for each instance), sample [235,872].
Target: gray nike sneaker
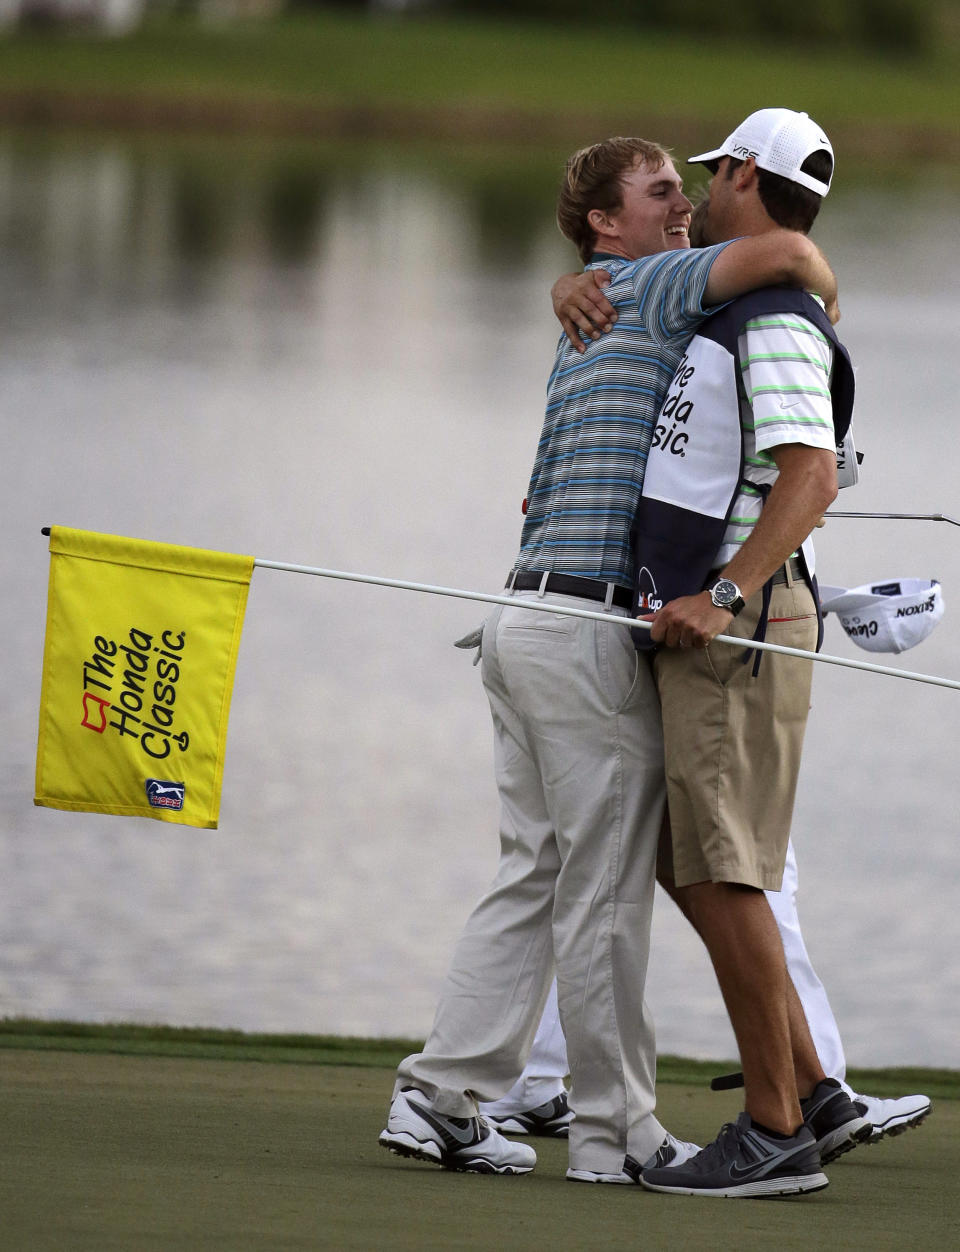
[468,1144]
[743,1161]
[837,1125]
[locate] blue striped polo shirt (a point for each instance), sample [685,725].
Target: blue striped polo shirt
[601,410]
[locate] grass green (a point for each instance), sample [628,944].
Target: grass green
[150,1154]
[497,77]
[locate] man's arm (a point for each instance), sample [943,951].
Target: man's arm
[775,259]
[580,305]
[804,489]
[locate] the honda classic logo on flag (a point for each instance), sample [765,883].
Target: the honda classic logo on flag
[139,659]
[139,689]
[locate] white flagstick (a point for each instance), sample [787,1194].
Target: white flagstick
[541,606]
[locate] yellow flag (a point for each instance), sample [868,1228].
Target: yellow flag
[138,665]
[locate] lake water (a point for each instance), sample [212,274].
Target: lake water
[339,360]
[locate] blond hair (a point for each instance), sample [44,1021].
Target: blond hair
[593,179]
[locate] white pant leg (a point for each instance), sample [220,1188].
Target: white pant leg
[502,965]
[543,1076]
[580,771]
[813,996]
[545,1070]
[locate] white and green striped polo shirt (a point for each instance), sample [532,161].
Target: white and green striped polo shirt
[601,410]
[784,389]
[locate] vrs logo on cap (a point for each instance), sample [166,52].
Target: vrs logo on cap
[888,616]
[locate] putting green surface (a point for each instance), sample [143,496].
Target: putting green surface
[139,1153]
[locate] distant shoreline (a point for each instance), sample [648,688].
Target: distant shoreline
[238,114]
[201,1043]
[334,74]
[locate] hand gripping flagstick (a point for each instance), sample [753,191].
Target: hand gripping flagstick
[539,606]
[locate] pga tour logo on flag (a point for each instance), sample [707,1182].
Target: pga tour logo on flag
[165,795]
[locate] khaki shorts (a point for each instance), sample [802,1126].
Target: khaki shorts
[732,745]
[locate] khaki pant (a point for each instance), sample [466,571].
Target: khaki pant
[733,745]
[579,763]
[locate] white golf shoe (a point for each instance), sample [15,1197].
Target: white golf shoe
[670,1153]
[550,1120]
[469,1144]
[892,1117]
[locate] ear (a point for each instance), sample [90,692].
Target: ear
[745,175]
[599,222]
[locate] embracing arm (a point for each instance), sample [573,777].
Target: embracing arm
[580,305]
[804,489]
[776,258]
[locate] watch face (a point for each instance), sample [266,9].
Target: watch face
[724,592]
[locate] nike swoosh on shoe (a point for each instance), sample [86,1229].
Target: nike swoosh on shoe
[465,1134]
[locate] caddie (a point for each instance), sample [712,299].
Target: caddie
[742,466]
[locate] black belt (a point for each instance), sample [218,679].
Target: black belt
[569,585]
[796,573]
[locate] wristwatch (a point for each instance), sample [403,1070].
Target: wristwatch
[726,595]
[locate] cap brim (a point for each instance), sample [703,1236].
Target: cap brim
[850,599]
[830,593]
[706,156]
[851,602]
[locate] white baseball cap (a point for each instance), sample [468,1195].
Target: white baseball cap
[779,140]
[887,616]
